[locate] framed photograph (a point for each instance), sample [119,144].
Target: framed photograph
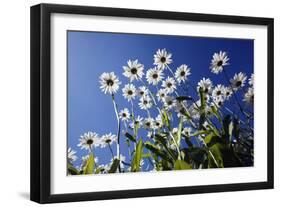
[132,103]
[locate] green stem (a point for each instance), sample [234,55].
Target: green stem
[118,130]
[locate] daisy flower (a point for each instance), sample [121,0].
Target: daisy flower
[162,58]
[148,123]
[133,70]
[218,62]
[154,76]
[89,140]
[150,134]
[228,93]
[218,101]
[109,83]
[219,91]
[142,91]
[71,157]
[161,94]
[124,114]
[175,130]
[129,92]
[187,131]
[206,85]
[137,122]
[251,80]
[145,103]
[169,102]
[238,81]
[108,139]
[193,110]
[182,72]
[180,105]
[158,123]
[249,96]
[169,84]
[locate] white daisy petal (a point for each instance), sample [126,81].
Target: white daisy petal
[109,83]
[108,139]
[154,76]
[218,62]
[71,157]
[134,70]
[129,92]
[162,58]
[249,96]
[182,72]
[124,114]
[89,140]
[238,81]
[169,84]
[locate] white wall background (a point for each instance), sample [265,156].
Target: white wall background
[14,102]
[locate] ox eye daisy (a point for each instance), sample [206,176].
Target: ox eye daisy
[71,157]
[219,91]
[154,76]
[251,80]
[161,94]
[162,58]
[133,70]
[169,84]
[249,96]
[206,85]
[109,83]
[108,139]
[137,122]
[129,92]
[218,62]
[158,123]
[169,102]
[124,114]
[238,81]
[142,91]
[89,140]
[148,123]
[182,73]
[145,103]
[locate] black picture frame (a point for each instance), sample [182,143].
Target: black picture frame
[41,98]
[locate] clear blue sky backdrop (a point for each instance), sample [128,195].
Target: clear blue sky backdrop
[92,53]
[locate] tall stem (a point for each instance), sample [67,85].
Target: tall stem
[110,151]
[118,130]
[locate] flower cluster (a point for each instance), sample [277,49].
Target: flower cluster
[171,123]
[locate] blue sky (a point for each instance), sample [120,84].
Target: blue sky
[92,53]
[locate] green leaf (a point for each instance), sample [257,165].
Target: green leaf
[220,155]
[228,127]
[130,137]
[215,156]
[135,165]
[179,131]
[212,139]
[163,141]
[89,167]
[114,166]
[182,165]
[199,133]
[154,149]
[165,119]
[72,170]
[146,155]
[215,111]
